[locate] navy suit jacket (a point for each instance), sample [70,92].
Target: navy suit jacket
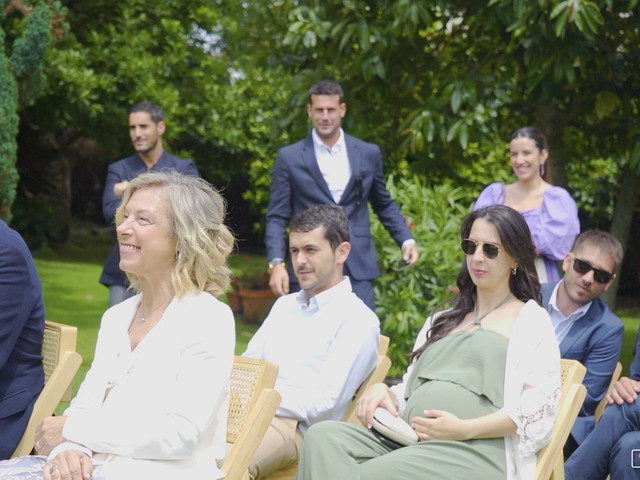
[595,340]
[297,184]
[127,169]
[21,331]
[634,368]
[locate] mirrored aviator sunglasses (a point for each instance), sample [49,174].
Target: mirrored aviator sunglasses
[583,267]
[490,250]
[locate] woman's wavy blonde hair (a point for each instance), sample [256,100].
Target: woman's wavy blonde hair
[203,243]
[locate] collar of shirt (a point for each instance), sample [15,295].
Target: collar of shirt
[553,306]
[160,163]
[321,147]
[324,298]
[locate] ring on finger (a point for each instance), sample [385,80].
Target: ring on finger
[38,445]
[53,468]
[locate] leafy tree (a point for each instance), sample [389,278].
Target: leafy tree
[20,80]
[427,79]
[438,84]
[114,55]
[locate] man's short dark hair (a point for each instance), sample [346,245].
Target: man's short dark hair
[154,111]
[331,217]
[326,87]
[603,240]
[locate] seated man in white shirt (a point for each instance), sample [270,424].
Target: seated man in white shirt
[586,329]
[323,338]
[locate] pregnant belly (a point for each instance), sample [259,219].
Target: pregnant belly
[447,396]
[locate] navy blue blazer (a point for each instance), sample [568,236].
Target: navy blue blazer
[21,331]
[634,368]
[127,169]
[595,340]
[297,184]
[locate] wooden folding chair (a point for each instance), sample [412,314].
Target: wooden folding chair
[550,464]
[376,376]
[61,362]
[252,405]
[603,403]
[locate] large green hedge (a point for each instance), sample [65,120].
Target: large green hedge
[406,296]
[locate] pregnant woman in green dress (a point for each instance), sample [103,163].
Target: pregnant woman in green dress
[482,390]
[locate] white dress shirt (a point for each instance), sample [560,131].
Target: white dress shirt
[325,349]
[336,169]
[333,163]
[562,324]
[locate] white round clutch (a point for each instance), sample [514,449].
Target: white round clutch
[394,428]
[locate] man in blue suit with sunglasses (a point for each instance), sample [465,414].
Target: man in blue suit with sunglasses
[586,329]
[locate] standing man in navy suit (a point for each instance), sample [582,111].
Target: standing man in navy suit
[586,329]
[330,167]
[21,331]
[146,127]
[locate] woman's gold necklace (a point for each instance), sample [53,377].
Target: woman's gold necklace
[145,316]
[475,309]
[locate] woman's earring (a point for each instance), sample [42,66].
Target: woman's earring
[514,270]
[542,169]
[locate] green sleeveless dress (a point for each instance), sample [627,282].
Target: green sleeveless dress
[462,374]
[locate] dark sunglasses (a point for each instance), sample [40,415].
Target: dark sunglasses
[583,267]
[490,250]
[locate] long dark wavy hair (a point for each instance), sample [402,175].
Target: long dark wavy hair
[515,238]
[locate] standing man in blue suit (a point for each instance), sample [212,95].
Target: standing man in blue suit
[21,331]
[586,329]
[614,445]
[330,167]
[146,127]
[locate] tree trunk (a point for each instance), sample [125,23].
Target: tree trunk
[552,122]
[626,202]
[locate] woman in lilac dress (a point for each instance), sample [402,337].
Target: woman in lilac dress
[550,212]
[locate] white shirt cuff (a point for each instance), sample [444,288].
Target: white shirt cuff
[408,241]
[64,446]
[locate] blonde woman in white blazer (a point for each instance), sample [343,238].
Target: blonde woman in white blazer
[482,391]
[154,402]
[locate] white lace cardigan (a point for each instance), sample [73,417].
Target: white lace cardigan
[531,387]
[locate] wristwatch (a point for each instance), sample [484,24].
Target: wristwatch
[273,263]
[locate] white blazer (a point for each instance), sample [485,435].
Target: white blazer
[166,416]
[531,387]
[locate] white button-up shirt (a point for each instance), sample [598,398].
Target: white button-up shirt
[562,324]
[325,348]
[333,163]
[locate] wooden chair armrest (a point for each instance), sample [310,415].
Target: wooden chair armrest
[550,456]
[256,424]
[377,376]
[49,398]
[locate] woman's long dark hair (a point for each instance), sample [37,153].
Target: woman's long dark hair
[515,238]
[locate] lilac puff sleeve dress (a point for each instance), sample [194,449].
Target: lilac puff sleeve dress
[554,225]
